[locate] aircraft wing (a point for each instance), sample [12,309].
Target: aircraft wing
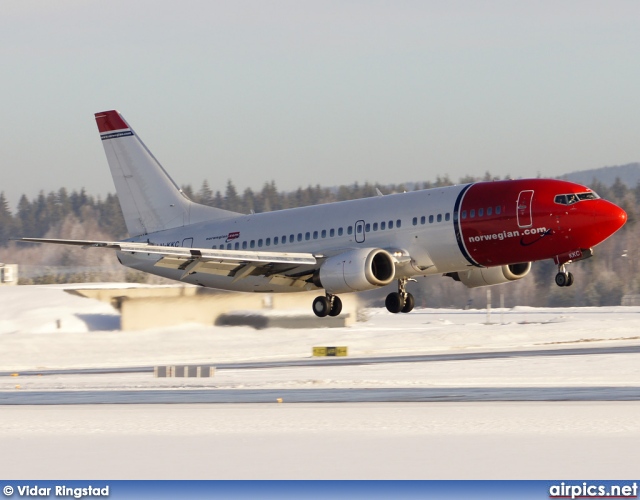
[236,263]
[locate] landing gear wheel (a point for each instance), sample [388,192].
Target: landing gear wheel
[336,306]
[409,302]
[394,302]
[562,279]
[321,306]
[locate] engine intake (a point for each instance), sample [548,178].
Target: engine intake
[356,270]
[492,275]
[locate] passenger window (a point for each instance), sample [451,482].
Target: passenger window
[332,232]
[260,242]
[398,223]
[498,210]
[367,227]
[447,216]
[358,229]
[480,212]
[253,244]
[390,224]
[383,226]
[291,238]
[307,236]
[489,211]
[423,219]
[431,219]
[268,242]
[464,214]
[244,245]
[349,230]
[439,218]
[315,235]
[237,245]
[340,231]
[275,240]
[415,221]
[324,233]
[299,236]
[375,226]
[472,214]
[228,246]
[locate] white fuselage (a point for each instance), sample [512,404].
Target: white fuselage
[385,222]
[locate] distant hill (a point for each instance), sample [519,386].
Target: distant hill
[628,174]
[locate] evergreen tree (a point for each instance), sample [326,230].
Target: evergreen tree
[6,220]
[205,195]
[231,199]
[26,219]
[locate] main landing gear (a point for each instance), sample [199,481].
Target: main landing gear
[330,305]
[400,301]
[563,278]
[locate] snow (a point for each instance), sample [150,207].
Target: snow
[43,327]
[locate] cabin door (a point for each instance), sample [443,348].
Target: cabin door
[360,231]
[525,218]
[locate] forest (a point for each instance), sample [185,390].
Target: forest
[601,280]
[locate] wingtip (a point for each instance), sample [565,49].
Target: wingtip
[109,121]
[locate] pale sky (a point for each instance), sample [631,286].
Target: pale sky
[308,92]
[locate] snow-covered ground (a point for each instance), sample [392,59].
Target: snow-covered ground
[45,328]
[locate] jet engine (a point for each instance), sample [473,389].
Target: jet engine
[492,275]
[355,271]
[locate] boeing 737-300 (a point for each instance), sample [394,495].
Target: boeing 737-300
[482,233]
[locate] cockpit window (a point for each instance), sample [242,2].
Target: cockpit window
[588,196]
[570,199]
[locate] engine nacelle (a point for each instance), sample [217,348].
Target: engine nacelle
[492,275]
[356,271]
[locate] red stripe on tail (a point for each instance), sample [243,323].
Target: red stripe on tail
[110,120]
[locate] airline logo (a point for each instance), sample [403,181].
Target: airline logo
[508,234]
[226,237]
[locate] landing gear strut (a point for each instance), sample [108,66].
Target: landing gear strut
[563,278]
[329,305]
[400,301]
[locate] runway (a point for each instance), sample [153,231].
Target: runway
[289,396]
[214,392]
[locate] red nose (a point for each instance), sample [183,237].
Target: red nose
[608,218]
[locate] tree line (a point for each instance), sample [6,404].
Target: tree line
[601,280]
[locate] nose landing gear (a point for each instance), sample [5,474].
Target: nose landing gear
[563,278]
[400,301]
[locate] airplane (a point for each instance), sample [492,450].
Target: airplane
[480,233]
